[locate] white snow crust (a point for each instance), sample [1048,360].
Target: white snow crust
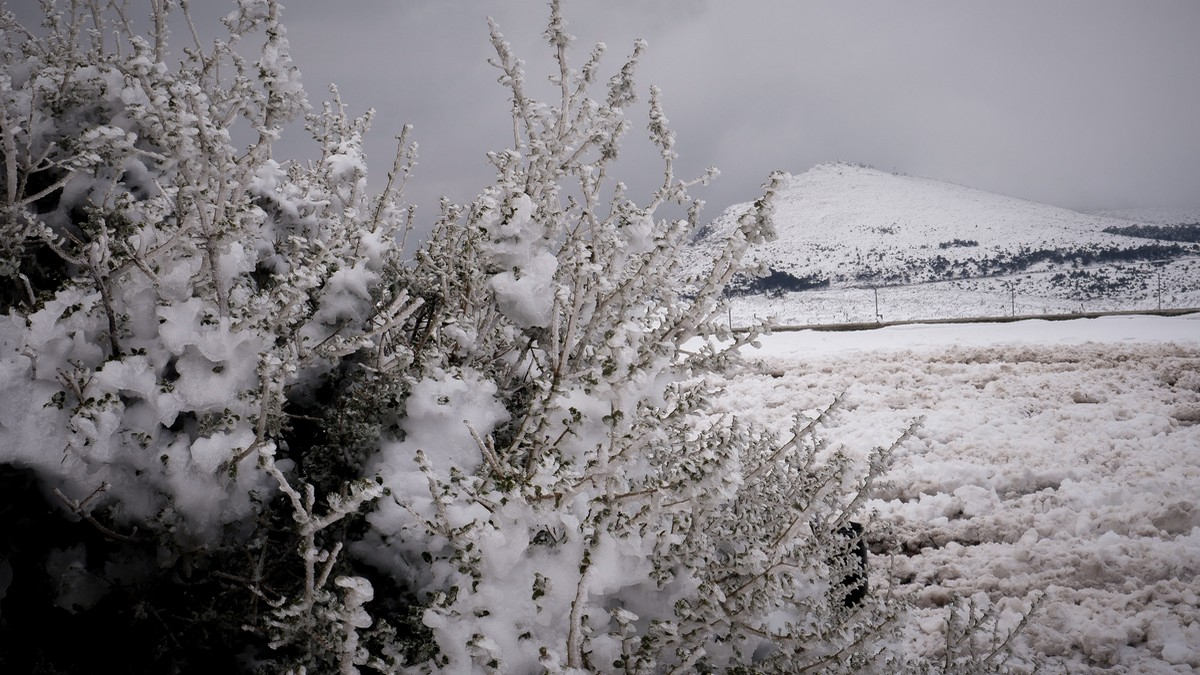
[1057,467]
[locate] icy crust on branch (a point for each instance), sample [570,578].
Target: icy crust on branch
[445,413]
[160,427]
[524,286]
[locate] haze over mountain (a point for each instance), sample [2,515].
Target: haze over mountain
[843,226]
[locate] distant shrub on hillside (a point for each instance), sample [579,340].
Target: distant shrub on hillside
[1186,232]
[775,283]
[1091,284]
[958,243]
[941,267]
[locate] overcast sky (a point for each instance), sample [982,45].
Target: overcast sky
[1085,104]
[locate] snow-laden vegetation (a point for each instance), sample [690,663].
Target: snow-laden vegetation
[243,428]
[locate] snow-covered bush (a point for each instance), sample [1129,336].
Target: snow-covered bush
[559,488]
[202,340]
[197,279]
[173,298]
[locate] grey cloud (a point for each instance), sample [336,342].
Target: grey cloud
[1079,103]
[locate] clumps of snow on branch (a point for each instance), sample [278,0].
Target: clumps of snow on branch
[195,285]
[523,287]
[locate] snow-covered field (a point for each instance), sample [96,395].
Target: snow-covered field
[1058,465]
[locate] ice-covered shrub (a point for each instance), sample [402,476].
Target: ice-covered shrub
[559,489]
[172,295]
[200,278]
[975,639]
[220,357]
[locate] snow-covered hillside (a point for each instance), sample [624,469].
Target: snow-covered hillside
[941,250]
[1056,466]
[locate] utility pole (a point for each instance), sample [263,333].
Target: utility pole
[1159,266]
[1012,297]
[878,316]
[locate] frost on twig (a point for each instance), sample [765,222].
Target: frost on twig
[321,625]
[81,509]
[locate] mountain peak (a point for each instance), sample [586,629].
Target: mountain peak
[848,223]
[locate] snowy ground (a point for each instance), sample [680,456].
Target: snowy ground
[1058,461]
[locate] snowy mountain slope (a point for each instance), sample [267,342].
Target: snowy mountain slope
[852,225]
[948,250]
